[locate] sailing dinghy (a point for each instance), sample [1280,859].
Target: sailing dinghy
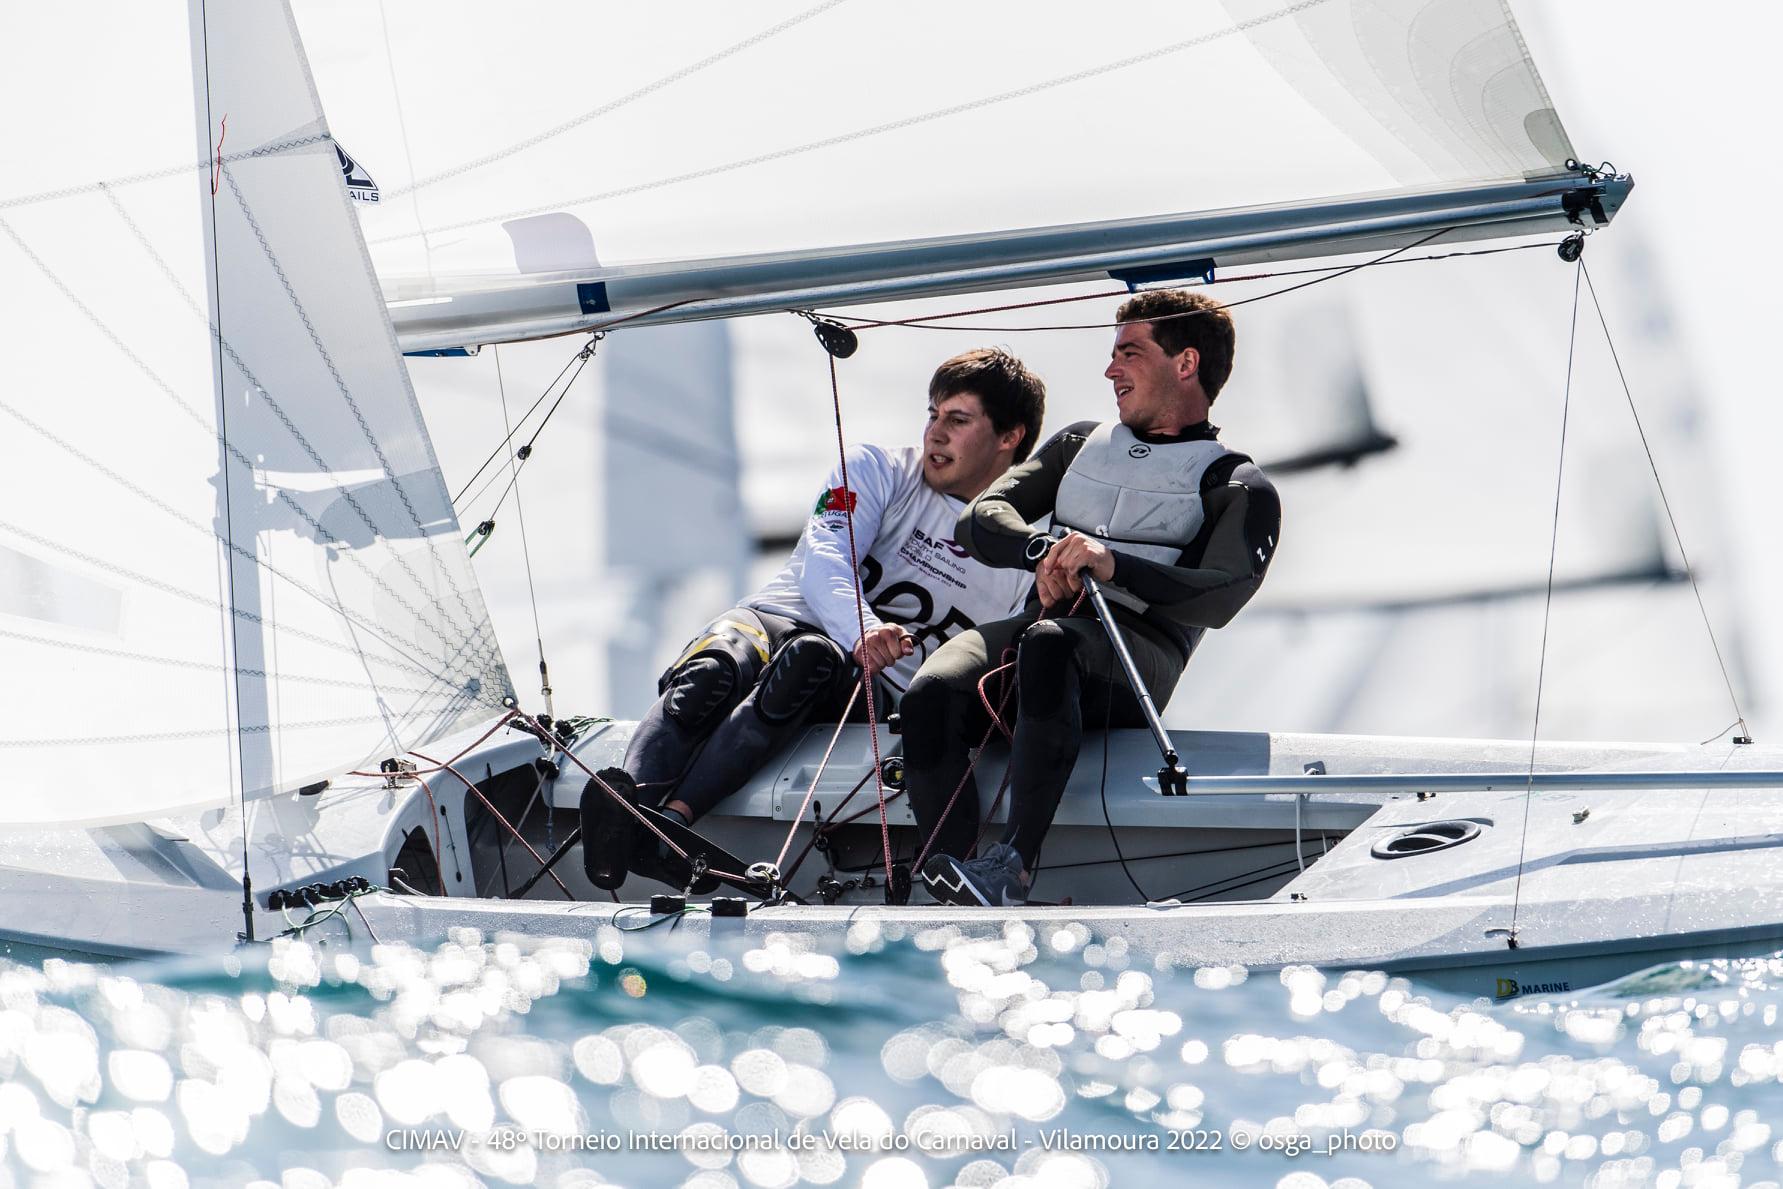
[253,674]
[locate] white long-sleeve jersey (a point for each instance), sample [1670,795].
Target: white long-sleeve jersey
[912,572]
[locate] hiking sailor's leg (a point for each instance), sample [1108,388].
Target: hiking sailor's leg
[713,674]
[800,682]
[1070,679]
[943,719]
[710,676]
[1048,733]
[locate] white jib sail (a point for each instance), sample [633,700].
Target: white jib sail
[228,562]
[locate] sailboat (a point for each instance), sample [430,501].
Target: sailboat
[259,675]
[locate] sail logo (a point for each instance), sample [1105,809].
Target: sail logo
[360,186]
[1510,988]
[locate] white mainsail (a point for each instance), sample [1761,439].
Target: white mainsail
[830,152]
[228,562]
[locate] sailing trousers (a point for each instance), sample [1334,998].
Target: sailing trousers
[1066,673]
[745,686]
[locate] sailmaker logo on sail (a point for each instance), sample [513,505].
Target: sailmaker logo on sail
[360,186]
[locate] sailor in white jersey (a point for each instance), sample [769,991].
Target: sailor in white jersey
[791,653]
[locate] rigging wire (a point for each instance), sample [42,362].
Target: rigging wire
[914,321]
[504,443]
[1547,606]
[926,322]
[524,454]
[792,832]
[234,685]
[1666,503]
[525,552]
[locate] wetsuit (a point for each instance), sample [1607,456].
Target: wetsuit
[783,658]
[1192,527]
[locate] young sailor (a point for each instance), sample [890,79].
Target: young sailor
[1178,530]
[791,653]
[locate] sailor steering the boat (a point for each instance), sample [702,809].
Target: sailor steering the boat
[790,654]
[1179,531]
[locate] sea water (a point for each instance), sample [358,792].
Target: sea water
[885,1059]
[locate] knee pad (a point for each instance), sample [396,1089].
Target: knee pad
[1042,665]
[800,675]
[698,691]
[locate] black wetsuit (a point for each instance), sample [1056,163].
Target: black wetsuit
[1066,672]
[745,686]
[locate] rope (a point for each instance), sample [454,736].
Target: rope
[1547,606]
[860,614]
[972,764]
[1666,503]
[792,832]
[916,321]
[638,814]
[439,859]
[824,827]
[927,321]
[509,826]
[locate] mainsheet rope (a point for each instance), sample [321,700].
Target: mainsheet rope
[860,614]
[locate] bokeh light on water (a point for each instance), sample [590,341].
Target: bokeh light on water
[1047,1057]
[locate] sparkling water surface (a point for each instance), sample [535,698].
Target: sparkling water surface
[886,1060]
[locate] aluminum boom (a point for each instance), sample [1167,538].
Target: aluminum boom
[1179,246]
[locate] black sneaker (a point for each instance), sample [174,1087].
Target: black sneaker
[609,830]
[993,880]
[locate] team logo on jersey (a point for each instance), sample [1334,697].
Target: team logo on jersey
[947,543]
[360,186]
[836,499]
[1138,450]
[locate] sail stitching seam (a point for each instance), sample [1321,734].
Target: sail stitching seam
[270,149]
[874,130]
[614,105]
[234,452]
[238,550]
[352,405]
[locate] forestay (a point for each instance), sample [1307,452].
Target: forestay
[634,149]
[228,563]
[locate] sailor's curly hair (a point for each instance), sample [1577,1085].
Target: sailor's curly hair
[1011,394]
[1180,320]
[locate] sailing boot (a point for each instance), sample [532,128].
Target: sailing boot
[654,859]
[992,880]
[609,831]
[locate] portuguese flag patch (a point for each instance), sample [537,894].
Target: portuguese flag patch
[836,499]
